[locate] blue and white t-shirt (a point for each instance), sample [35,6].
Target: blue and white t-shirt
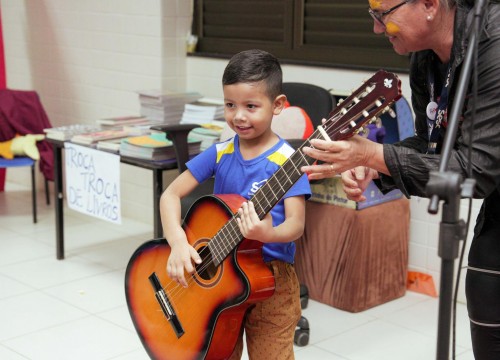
[235,175]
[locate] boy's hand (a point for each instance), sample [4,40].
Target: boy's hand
[181,258]
[251,226]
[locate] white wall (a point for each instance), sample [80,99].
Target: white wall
[88,58]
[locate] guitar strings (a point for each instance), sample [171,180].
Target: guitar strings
[233,231]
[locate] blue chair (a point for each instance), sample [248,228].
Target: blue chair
[22,161]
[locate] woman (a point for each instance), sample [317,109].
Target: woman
[435,33]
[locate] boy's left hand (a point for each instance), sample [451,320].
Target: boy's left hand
[251,226]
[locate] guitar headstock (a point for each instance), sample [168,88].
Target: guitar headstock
[363,105]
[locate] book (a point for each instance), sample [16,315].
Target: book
[202,111]
[162,115]
[95,136]
[64,133]
[206,105]
[112,145]
[165,107]
[208,134]
[138,130]
[156,96]
[154,147]
[158,140]
[123,120]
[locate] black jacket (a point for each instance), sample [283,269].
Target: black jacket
[407,161]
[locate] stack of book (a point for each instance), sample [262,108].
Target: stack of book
[113,145]
[64,133]
[203,111]
[93,137]
[165,108]
[208,133]
[155,147]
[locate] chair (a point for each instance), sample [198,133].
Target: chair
[21,113]
[21,162]
[315,100]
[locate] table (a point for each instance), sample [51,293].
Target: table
[157,168]
[354,259]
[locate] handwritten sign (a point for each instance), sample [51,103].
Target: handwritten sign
[93,182]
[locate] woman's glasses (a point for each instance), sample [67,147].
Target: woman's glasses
[377,16]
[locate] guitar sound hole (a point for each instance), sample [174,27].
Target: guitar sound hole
[206,270]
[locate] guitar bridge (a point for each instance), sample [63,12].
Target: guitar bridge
[166,306]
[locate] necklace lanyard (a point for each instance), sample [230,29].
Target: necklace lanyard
[436,111]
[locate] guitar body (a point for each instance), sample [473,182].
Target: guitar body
[211,309]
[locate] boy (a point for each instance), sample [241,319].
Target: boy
[252,94]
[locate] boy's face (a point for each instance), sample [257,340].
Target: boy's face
[249,110]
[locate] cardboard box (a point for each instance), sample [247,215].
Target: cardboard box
[329,191]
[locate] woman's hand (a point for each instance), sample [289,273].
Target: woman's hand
[355,182]
[336,157]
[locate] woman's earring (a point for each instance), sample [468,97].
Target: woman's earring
[429,17]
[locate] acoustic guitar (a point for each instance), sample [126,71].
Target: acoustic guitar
[203,321]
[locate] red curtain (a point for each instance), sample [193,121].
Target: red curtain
[3,80]
[3,85]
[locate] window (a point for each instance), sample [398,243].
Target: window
[318,32]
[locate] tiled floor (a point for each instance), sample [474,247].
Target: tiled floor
[76,309]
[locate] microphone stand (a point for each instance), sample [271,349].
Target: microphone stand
[447,186]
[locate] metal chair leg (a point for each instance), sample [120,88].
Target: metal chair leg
[47,195]
[33,192]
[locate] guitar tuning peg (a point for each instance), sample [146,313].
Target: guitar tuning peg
[390,111]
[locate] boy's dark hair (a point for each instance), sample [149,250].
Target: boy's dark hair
[253,66]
